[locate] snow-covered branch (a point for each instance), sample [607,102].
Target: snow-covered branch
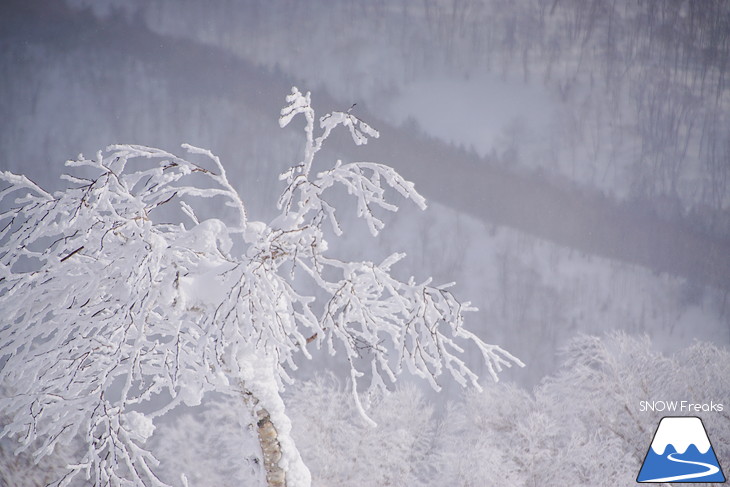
[113,316]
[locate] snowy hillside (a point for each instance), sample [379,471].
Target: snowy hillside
[575,161]
[534,291]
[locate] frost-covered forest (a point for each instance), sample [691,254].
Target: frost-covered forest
[574,157]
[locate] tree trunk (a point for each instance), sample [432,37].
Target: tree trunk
[268,439]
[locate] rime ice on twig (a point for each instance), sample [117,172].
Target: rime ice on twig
[106,307]
[369,313]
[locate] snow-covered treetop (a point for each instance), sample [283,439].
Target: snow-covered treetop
[113,316]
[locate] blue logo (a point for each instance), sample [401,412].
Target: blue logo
[680,452]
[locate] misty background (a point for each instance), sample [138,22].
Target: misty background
[575,154]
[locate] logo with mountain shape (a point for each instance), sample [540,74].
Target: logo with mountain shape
[681,452]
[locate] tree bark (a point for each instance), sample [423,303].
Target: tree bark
[268,439]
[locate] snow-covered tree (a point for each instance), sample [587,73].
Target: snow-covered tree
[214,444]
[342,449]
[583,425]
[115,313]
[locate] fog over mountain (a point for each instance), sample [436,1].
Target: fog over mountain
[575,160]
[575,155]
